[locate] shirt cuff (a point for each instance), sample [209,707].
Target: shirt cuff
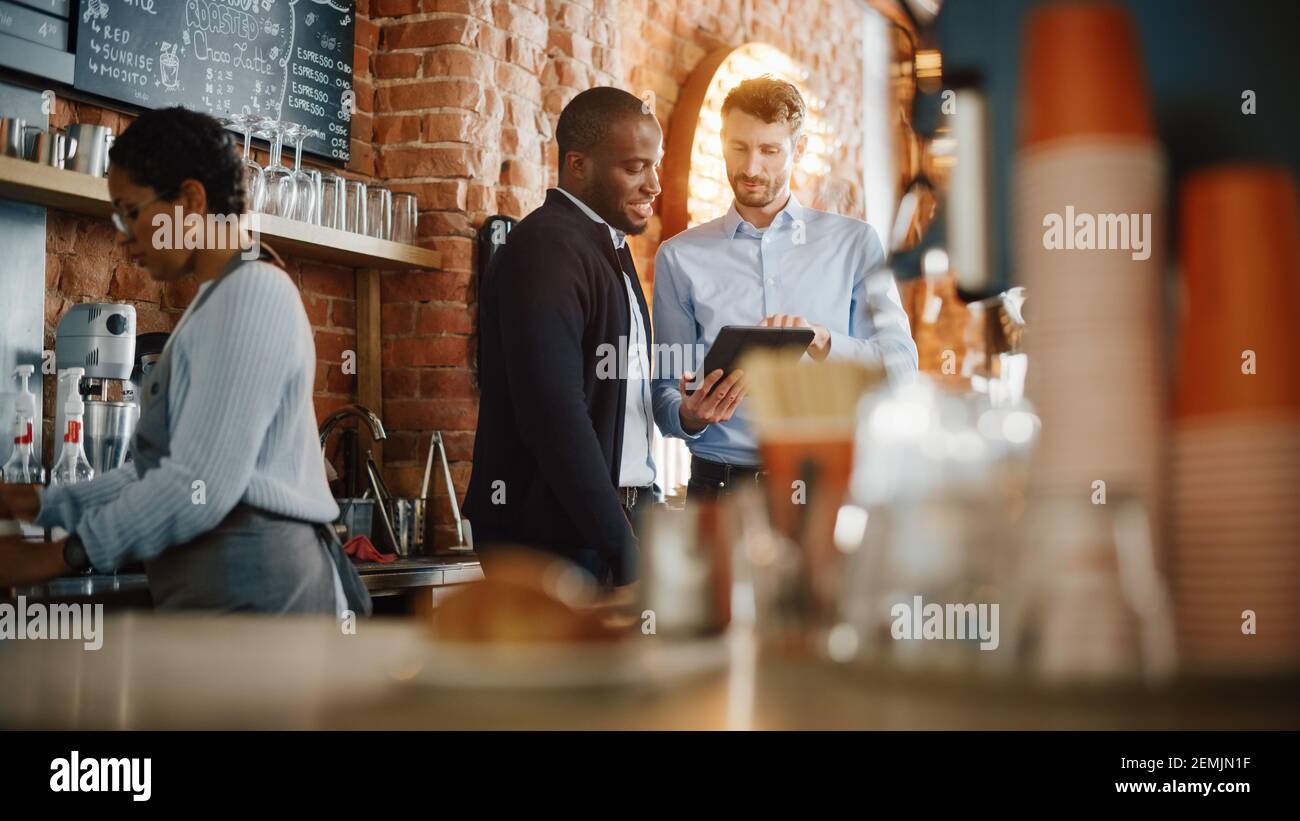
[103,558]
[674,414]
[58,508]
[63,505]
[844,347]
[899,363]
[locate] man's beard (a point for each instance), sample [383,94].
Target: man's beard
[754,199]
[606,203]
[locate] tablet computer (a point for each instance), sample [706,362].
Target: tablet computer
[734,341]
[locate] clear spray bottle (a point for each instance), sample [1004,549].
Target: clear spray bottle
[24,466]
[72,466]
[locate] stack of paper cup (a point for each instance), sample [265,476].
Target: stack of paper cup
[1088,244]
[1096,372]
[1235,467]
[1088,220]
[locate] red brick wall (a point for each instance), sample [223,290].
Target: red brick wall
[457,101]
[467,93]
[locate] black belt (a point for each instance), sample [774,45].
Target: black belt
[707,470]
[627,495]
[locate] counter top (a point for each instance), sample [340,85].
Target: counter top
[432,571]
[380,579]
[200,672]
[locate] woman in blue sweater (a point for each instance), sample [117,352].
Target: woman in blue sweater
[225,500]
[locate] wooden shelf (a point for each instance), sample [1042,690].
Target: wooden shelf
[83,194]
[53,187]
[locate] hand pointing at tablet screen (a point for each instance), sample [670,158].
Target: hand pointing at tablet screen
[821,344]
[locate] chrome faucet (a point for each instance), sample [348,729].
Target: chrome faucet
[359,411]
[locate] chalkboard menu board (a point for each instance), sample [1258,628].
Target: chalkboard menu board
[286,59]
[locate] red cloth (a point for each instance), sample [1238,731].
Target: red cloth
[361,549]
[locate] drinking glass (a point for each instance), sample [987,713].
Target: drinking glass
[280,187]
[379,212]
[305,181]
[254,181]
[317,181]
[354,206]
[332,204]
[405,218]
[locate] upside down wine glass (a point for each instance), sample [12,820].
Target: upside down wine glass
[254,183]
[306,181]
[281,190]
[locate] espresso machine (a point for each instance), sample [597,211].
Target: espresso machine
[99,337]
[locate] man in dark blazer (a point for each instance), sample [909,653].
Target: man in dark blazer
[562,452]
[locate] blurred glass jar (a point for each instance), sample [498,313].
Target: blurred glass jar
[918,440]
[770,592]
[685,570]
[935,579]
[1096,608]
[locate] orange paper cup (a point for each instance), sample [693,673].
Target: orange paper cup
[1082,74]
[1239,249]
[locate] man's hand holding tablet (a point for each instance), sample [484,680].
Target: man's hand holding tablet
[714,401]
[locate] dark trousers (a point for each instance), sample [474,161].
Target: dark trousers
[596,563]
[711,480]
[593,561]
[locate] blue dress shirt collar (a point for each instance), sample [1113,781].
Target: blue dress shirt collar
[732,220]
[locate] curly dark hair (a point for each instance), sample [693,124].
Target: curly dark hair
[770,99]
[165,147]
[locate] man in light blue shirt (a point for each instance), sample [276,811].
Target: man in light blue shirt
[771,261]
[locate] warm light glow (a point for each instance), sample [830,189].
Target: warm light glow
[929,66]
[1018,427]
[934,263]
[710,193]
[842,642]
[850,527]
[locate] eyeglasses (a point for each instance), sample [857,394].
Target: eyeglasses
[122,220]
